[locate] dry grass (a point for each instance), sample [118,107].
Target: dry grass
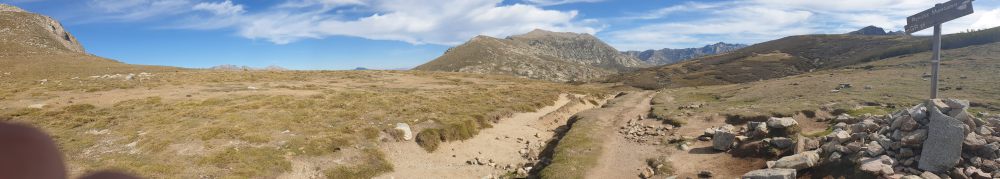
[227,130]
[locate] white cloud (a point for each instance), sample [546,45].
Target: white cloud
[220,8]
[558,2]
[753,21]
[988,19]
[424,22]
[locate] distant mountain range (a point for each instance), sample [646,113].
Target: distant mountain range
[670,56]
[539,54]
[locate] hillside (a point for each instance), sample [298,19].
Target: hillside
[539,54]
[792,55]
[167,122]
[22,32]
[668,56]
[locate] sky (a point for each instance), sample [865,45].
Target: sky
[396,34]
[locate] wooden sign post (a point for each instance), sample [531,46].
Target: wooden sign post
[936,16]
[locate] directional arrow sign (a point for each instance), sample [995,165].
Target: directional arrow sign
[939,14]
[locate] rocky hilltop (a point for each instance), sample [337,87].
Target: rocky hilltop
[873,30]
[23,32]
[668,56]
[539,54]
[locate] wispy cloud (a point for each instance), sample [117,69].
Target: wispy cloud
[423,22]
[559,2]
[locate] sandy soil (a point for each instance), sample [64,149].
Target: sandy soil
[500,143]
[623,158]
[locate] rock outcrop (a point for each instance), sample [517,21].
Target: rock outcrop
[539,54]
[23,32]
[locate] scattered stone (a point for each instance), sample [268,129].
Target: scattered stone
[521,173]
[781,123]
[37,106]
[705,174]
[774,173]
[647,173]
[929,175]
[915,138]
[723,140]
[877,166]
[840,136]
[946,134]
[781,142]
[407,133]
[873,149]
[798,161]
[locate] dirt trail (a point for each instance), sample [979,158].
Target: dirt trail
[623,158]
[500,143]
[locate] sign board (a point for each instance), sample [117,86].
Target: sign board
[937,15]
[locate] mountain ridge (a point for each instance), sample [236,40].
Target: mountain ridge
[539,54]
[667,56]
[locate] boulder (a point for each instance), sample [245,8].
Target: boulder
[908,124]
[905,153]
[773,173]
[840,136]
[835,147]
[798,161]
[782,142]
[919,113]
[915,138]
[873,149]
[881,165]
[973,142]
[946,134]
[929,175]
[723,140]
[845,118]
[781,123]
[910,177]
[863,126]
[984,130]
[407,133]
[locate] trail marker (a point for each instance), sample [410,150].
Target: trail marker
[936,16]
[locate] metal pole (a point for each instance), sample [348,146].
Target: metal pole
[935,61]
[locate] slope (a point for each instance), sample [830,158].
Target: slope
[538,54]
[790,56]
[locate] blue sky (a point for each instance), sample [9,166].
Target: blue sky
[390,34]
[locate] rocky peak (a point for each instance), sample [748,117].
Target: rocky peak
[26,32]
[539,54]
[870,30]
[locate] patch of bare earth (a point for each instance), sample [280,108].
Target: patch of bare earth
[702,157]
[623,158]
[503,144]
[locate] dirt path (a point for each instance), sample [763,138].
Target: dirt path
[623,158]
[502,143]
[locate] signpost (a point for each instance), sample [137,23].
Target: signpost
[936,16]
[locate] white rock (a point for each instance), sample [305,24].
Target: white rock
[407,133]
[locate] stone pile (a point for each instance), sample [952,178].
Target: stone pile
[642,133]
[725,137]
[937,139]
